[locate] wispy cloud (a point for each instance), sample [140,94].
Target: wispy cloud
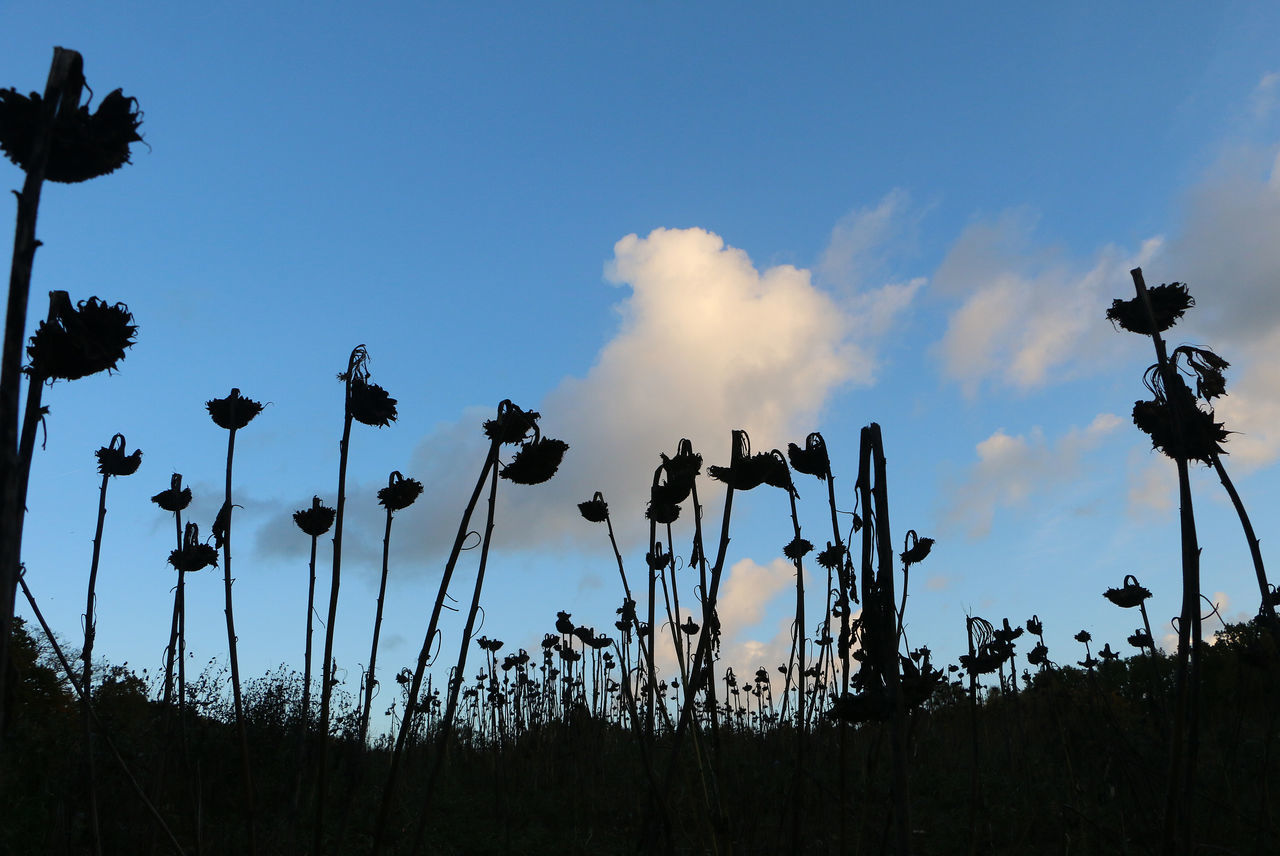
[1026,318]
[1011,469]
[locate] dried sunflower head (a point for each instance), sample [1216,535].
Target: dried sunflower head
[511,425]
[176,497]
[316,520]
[112,461]
[915,548]
[1168,303]
[1107,654]
[194,555]
[831,557]
[1130,595]
[661,509]
[812,460]
[797,548]
[1034,626]
[233,412]
[595,509]
[681,471]
[366,403]
[83,145]
[79,340]
[1140,639]
[536,461]
[399,493]
[1198,438]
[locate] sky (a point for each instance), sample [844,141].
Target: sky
[651,221]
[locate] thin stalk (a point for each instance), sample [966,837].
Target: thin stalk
[86,674]
[797,815]
[1255,550]
[384,806]
[311,608]
[446,726]
[245,770]
[326,669]
[377,627]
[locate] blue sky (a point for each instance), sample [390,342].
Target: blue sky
[649,221]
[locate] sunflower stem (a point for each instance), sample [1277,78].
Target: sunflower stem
[61,95]
[445,730]
[424,655]
[86,674]
[246,772]
[1177,830]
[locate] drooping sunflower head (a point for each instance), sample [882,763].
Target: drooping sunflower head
[112,460]
[812,460]
[176,497]
[80,340]
[399,493]
[595,509]
[84,145]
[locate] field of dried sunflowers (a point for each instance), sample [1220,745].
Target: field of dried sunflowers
[859,742]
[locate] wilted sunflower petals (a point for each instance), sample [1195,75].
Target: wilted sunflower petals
[233,412]
[536,462]
[594,510]
[1208,368]
[316,520]
[399,493]
[1168,304]
[80,340]
[83,146]
[112,461]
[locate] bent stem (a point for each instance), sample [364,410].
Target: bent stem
[445,730]
[424,655]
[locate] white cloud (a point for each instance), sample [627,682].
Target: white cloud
[1012,468]
[706,343]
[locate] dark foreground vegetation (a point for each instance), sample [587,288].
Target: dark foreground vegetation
[1071,763]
